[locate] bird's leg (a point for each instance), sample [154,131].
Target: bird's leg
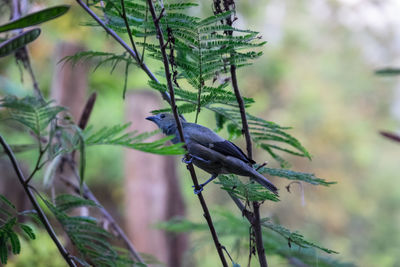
[187,161]
[184,160]
[201,186]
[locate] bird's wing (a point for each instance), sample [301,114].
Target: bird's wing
[208,138]
[230,149]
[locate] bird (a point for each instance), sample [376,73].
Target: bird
[209,151]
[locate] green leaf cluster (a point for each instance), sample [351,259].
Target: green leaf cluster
[246,191]
[10,229]
[90,239]
[283,242]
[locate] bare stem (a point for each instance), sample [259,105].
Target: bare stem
[254,217]
[35,204]
[180,130]
[123,15]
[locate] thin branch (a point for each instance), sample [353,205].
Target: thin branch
[123,15]
[254,219]
[35,204]
[38,166]
[116,37]
[180,130]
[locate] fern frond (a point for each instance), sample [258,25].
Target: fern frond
[9,227]
[92,241]
[31,112]
[249,192]
[117,135]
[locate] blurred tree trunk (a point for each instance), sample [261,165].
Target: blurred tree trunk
[152,191]
[70,82]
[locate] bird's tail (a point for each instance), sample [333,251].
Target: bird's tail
[264,182]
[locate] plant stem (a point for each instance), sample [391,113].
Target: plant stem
[254,217]
[123,15]
[35,204]
[180,130]
[256,224]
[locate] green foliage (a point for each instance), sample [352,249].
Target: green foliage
[9,225]
[388,72]
[246,191]
[92,241]
[100,58]
[32,113]
[13,44]
[279,240]
[293,175]
[117,135]
[35,18]
[292,237]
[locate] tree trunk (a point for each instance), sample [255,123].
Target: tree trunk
[152,192]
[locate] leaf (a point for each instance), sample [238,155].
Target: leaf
[15,243]
[3,249]
[19,41]
[66,202]
[388,72]
[28,230]
[35,18]
[6,201]
[293,237]
[250,191]
[117,135]
[31,112]
[293,175]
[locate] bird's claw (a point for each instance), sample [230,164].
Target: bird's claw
[198,191]
[184,160]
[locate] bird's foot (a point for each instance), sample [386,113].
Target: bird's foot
[187,161]
[199,190]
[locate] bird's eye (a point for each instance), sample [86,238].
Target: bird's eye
[162,116]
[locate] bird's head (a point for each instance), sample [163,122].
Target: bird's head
[165,121]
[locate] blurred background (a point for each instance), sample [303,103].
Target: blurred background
[316,75]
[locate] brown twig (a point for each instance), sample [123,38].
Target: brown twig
[180,130]
[35,204]
[254,217]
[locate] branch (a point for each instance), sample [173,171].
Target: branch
[254,218]
[116,37]
[180,130]
[35,204]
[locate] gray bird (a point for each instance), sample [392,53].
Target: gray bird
[209,151]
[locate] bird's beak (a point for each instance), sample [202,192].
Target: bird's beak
[151,118]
